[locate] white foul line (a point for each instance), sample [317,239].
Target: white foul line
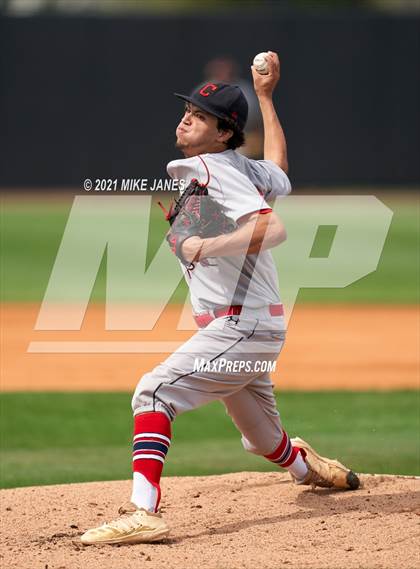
[103,347]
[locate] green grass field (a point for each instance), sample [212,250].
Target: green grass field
[32,231]
[71,437]
[52,438]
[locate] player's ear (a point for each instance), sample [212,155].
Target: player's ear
[224,135]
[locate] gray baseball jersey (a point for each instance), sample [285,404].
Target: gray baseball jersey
[242,186]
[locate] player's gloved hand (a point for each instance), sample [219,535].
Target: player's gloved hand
[180,240]
[195,214]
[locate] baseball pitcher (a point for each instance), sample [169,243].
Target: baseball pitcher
[222,229]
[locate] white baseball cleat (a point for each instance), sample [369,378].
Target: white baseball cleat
[135,525]
[324,472]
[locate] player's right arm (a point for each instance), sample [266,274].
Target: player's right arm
[275,148]
[256,232]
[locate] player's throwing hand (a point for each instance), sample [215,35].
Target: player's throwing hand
[264,84]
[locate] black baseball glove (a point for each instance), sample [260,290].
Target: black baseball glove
[195,213]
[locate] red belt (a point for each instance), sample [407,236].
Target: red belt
[202,320]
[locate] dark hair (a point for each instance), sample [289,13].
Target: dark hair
[238,137]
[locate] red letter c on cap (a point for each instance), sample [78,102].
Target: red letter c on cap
[204,91]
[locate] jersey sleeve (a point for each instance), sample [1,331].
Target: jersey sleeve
[234,191]
[271,180]
[226,184]
[186,169]
[240,205]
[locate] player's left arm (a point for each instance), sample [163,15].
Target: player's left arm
[256,232]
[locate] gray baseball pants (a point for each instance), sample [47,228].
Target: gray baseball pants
[177,385]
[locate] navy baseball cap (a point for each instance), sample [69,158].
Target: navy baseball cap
[221,100]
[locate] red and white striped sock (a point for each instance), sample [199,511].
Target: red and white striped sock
[151,441]
[289,457]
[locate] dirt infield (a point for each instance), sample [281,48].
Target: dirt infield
[327,347]
[241,520]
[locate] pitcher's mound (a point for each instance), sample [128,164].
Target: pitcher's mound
[242,520]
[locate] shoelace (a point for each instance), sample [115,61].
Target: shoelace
[127,508]
[128,521]
[318,480]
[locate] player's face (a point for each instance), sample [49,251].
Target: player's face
[198,133]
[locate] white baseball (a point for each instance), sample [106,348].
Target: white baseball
[261,63]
